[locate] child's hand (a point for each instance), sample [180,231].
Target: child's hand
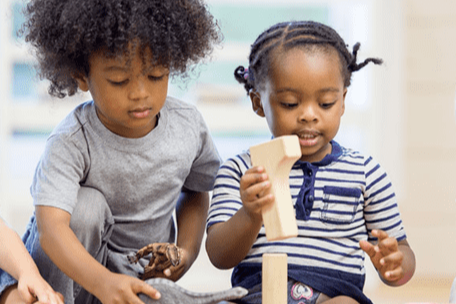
[254,186]
[32,287]
[121,288]
[174,273]
[385,256]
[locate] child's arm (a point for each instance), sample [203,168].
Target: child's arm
[191,214]
[15,260]
[63,247]
[394,261]
[228,243]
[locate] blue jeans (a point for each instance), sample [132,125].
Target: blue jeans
[92,223]
[298,293]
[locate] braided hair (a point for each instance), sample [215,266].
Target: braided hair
[287,35]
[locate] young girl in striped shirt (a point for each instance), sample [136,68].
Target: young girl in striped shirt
[345,206]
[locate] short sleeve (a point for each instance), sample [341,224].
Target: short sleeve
[58,174]
[381,209]
[207,161]
[226,199]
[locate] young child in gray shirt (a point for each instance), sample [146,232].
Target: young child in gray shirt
[117,167]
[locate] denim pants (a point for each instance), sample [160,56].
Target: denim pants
[92,223]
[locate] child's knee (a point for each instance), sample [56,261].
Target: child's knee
[341,300]
[91,214]
[10,295]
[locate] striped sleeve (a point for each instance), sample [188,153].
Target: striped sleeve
[226,200]
[381,210]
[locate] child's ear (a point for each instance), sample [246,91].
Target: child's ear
[343,101]
[257,106]
[83,82]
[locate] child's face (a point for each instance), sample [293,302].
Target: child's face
[127,95]
[305,96]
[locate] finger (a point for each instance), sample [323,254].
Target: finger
[255,192]
[379,234]
[147,290]
[255,169]
[167,272]
[57,298]
[395,274]
[258,190]
[27,295]
[388,245]
[50,297]
[253,178]
[368,248]
[51,300]
[265,202]
[249,180]
[394,259]
[61,299]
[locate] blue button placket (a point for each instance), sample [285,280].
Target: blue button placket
[305,199]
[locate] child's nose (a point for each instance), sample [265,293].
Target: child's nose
[137,90]
[308,113]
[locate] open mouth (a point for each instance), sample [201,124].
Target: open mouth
[308,138]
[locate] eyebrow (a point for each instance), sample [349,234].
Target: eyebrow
[115,68]
[324,90]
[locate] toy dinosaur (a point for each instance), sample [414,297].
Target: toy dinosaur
[163,256]
[171,293]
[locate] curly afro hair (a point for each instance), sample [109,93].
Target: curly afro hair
[64,33]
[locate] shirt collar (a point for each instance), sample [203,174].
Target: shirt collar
[336,152]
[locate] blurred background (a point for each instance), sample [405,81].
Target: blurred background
[402,113]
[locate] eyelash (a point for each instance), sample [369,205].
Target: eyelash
[155,78]
[327,105]
[121,83]
[289,105]
[294,105]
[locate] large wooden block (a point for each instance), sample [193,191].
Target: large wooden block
[274,278]
[277,157]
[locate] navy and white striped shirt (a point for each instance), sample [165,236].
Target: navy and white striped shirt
[338,202]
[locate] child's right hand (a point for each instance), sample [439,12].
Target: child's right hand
[254,191]
[122,288]
[32,287]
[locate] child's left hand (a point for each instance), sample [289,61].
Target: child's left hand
[385,256]
[174,273]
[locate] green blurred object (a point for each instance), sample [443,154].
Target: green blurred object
[244,23]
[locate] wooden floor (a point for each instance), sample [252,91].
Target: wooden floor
[418,290]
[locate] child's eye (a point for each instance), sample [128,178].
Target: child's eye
[327,105]
[155,78]
[118,83]
[289,105]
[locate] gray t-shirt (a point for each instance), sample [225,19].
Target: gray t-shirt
[140,178]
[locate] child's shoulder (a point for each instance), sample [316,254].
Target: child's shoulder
[175,104]
[352,158]
[352,155]
[239,163]
[183,113]
[74,121]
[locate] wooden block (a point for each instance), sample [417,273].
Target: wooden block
[274,278]
[277,157]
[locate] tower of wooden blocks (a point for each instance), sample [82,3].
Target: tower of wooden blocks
[277,157]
